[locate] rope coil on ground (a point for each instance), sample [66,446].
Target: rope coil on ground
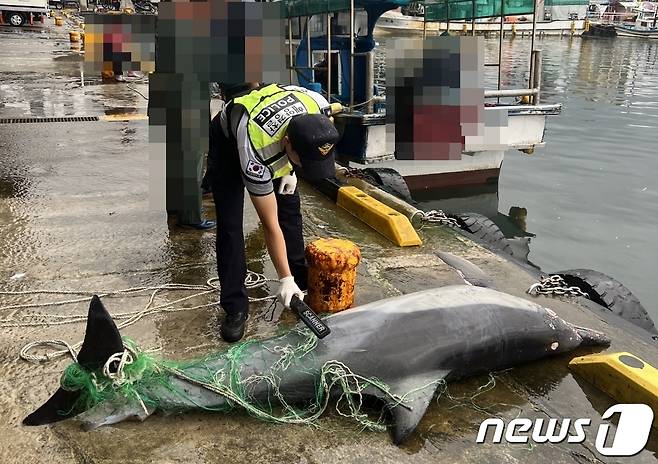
[14,320]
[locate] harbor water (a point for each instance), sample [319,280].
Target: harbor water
[591,194]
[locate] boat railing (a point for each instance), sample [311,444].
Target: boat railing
[534,77]
[369,100]
[612,18]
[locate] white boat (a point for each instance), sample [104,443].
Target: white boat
[645,23]
[426,155]
[395,22]
[481,158]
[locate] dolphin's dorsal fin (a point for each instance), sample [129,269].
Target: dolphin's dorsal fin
[419,391]
[102,340]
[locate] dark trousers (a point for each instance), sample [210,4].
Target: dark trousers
[228,194]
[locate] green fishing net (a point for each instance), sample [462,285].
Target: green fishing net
[139,376]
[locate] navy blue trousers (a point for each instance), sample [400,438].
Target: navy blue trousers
[228,193]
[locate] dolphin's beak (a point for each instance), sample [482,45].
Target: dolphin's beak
[592,337]
[57,408]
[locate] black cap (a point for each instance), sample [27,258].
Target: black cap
[314,137]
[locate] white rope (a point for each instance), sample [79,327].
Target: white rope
[17,320]
[117,374]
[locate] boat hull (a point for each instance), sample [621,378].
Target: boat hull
[628,32]
[479,163]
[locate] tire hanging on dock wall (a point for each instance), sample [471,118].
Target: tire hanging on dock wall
[390,181]
[483,229]
[476,225]
[611,294]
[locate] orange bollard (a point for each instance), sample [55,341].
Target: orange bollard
[332,274]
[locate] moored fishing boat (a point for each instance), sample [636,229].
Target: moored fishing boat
[645,23]
[510,118]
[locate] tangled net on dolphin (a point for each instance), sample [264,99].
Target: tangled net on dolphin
[134,373]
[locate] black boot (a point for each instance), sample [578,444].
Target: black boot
[233,327]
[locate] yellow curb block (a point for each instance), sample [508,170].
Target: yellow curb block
[385,220]
[622,376]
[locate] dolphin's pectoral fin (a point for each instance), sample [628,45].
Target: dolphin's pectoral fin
[417,392]
[468,271]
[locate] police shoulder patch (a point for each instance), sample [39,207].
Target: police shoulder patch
[255,169]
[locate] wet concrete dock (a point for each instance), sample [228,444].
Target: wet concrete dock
[75,215]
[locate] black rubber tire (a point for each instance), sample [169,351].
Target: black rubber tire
[14,19]
[483,229]
[390,181]
[611,294]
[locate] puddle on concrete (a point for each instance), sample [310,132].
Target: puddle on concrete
[10,187]
[121,110]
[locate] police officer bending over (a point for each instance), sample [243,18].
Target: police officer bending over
[254,142]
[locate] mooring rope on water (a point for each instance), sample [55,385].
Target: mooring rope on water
[14,320]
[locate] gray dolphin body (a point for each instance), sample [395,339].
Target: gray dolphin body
[408,342]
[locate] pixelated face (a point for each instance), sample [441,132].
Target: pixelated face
[119,43]
[435,95]
[218,41]
[223,41]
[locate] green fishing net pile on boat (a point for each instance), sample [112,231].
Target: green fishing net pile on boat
[159,384]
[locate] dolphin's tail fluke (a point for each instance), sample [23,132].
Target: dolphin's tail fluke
[58,407]
[102,340]
[592,337]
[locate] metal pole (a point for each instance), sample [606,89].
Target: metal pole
[500,41]
[329,60]
[509,93]
[532,43]
[537,75]
[351,55]
[290,62]
[370,81]
[473,18]
[309,56]
[424,23]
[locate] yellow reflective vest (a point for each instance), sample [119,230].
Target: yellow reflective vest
[269,110]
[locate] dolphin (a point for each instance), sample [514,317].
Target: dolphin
[413,343]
